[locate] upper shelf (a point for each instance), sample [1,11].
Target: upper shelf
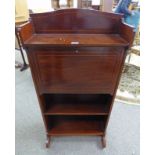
[76,27]
[76,40]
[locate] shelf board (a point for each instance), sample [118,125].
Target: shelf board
[78,109]
[80,39]
[77,127]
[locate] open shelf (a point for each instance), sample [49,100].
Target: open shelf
[76,125]
[76,114]
[77,104]
[81,39]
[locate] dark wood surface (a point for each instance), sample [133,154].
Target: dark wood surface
[65,126]
[26,31]
[76,58]
[81,104]
[78,109]
[127,33]
[76,40]
[76,21]
[78,70]
[74,127]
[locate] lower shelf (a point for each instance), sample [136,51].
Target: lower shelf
[66,126]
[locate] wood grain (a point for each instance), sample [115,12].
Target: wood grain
[71,72]
[76,126]
[81,104]
[76,21]
[76,40]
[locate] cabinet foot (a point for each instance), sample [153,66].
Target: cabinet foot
[103,142]
[48,141]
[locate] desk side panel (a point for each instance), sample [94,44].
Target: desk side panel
[25,32]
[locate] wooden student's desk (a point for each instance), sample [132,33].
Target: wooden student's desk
[76,57]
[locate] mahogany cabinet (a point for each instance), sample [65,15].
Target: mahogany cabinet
[76,58]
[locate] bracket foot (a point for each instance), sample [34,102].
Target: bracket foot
[48,141]
[103,141]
